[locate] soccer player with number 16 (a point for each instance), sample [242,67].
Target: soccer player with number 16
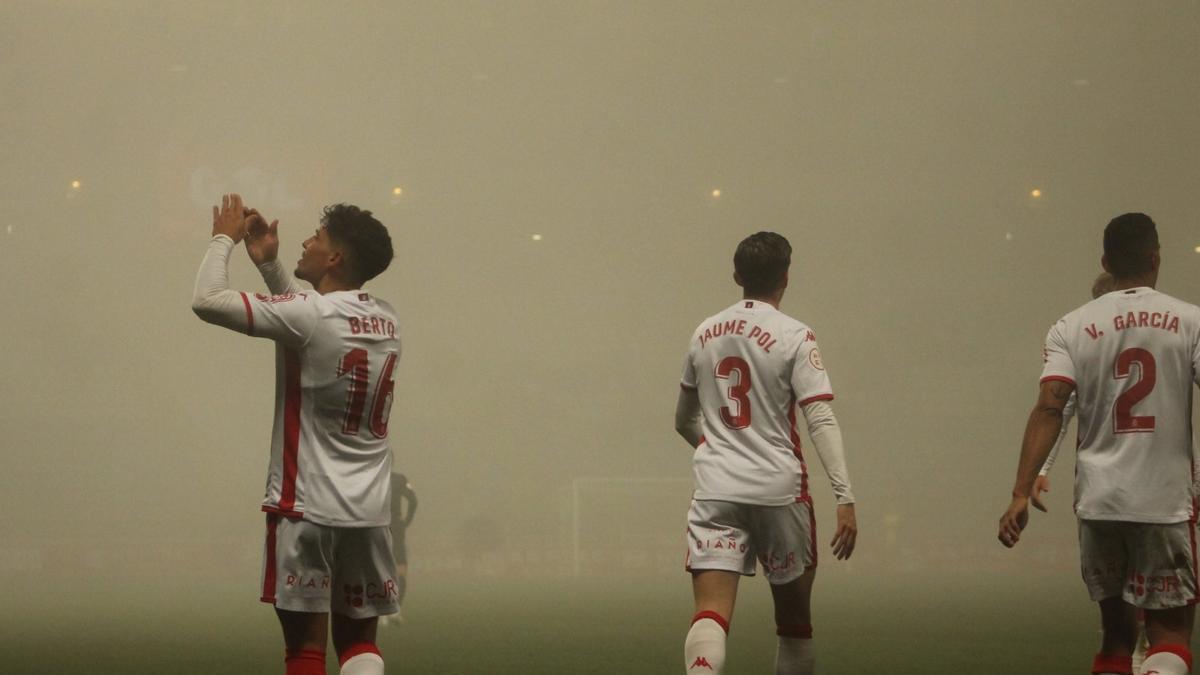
[328,554]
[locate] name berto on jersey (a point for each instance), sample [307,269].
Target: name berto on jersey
[738,327]
[372,325]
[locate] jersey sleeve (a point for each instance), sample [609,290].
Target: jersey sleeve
[809,380]
[688,379]
[278,279]
[289,318]
[1056,361]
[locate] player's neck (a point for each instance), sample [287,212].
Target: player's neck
[772,300]
[1135,282]
[329,284]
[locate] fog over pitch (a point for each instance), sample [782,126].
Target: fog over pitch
[565,184]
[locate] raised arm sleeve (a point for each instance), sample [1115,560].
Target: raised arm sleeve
[212,300]
[827,436]
[278,279]
[289,318]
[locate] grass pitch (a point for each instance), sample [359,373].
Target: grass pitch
[915,623]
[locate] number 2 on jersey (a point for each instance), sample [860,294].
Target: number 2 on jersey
[355,364]
[736,392]
[1124,421]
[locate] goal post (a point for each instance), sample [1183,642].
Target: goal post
[630,523]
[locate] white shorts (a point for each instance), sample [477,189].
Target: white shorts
[314,568]
[729,536]
[1149,565]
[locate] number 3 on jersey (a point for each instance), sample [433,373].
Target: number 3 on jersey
[1124,421]
[355,363]
[727,368]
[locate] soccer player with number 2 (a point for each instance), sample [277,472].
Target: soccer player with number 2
[328,554]
[748,371]
[1132,355]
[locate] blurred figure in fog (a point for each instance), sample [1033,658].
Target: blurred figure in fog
[404,509]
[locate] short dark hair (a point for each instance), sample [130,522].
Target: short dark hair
[1130,241]
[365,239]
[761,261]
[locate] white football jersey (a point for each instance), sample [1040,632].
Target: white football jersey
[1133,357]
[336,356]
[751,365]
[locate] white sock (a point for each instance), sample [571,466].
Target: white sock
[368,663]
[1166,663]
[704,649]
[795,656]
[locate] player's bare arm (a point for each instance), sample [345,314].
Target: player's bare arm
[826,434]
[688,414]
[1041,431]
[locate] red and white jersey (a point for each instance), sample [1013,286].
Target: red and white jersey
[335,359]
[1133,357]
[751,365]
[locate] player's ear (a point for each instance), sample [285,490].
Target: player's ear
[1155,260]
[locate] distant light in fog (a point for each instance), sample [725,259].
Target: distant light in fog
[716,193]
[397,191]
[1008,236]
[75,185]
[1035,193]
[538,237]
[10,231]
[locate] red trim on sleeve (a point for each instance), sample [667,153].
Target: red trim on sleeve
[291,429]
[356,649]
[268,592]
[709,614]
[818,397]
[1057,378]
[249,314]
[1178,650]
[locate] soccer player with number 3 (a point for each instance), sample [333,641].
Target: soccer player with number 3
[749,370]
[328,553]
[1132,356]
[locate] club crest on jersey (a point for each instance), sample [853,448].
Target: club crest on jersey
[814,358]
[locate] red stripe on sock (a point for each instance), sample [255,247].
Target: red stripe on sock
[305,662]
[795,630]
[1178,650]
[1112,663]
[709,614]
[356,649]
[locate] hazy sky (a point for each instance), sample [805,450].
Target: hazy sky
[897,145]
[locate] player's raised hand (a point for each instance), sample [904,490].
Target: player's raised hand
[1042,484]
[1013,521]
[230,218]
[847,532]
[262,240]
